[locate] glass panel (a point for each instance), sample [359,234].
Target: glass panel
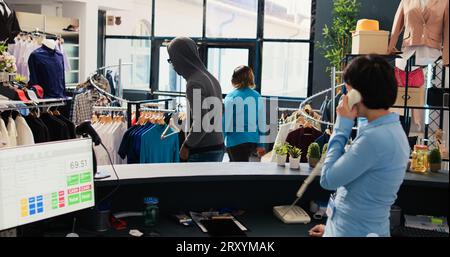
[133,22]
[285,69]
[169,80]
[231,18]
[222,62]
[137,52]
[287,19]
[179,18]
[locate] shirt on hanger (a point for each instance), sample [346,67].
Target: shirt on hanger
[155,150]
[24,133]
[57,129]
[39,130]
[69,124]
[4,137]
[126,146]
[12,132]
[82,107]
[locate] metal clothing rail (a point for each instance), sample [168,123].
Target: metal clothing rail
[109,109]
[45,103]
[146,109]
[310,99]
[131,105]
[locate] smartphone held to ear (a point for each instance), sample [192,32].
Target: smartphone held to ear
[354,97]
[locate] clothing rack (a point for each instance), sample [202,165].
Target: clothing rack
[44,103]
[38,33]
[131,105]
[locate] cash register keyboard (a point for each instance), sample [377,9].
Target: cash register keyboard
[414,232]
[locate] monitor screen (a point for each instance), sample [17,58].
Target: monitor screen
[45,180]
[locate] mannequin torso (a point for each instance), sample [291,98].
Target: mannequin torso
[424,54]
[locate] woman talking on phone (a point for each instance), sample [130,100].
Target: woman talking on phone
[368,175]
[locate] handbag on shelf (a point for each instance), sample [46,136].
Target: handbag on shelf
[435,96]
[416,78]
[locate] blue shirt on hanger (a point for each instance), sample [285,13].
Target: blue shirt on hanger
[155,150]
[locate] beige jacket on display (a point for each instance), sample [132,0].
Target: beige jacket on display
[427,26]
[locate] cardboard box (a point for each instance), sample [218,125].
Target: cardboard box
[370,42]
[416,96]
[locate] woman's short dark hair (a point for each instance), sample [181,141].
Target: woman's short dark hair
[243,77]
[375,79]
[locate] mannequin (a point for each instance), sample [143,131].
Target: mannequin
[51,44]
[424,23]
[424,54]
[9,25]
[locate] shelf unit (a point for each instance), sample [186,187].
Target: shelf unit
[408,108]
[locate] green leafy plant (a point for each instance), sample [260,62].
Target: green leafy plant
[3,47]
[281,149]
[20,79]
[324,150]
[337,40]
[294,152]
[435,156]
[314,151]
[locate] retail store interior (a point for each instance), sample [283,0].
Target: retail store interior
[210,118]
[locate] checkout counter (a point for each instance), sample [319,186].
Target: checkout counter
[253,188]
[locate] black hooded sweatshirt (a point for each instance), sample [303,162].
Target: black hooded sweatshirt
[186,61]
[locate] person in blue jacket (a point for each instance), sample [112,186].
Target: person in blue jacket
[367,175]
[243,117]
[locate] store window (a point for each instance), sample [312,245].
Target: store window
[230,40]
[135,52]
[223,61]
[169,80]
[231,18]
[178,18]
[287,19]
[285,69]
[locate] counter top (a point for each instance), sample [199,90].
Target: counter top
[143,173]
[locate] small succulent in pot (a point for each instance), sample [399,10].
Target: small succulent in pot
[313,154]
[281,151]
[294,157]
[435,160]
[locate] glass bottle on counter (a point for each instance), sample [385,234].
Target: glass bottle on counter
[151,212]
[419,161]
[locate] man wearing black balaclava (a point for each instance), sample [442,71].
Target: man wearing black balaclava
[205,142]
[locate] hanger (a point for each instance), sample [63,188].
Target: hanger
[169,121]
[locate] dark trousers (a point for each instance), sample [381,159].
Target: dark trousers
[241,153]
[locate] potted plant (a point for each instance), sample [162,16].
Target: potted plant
[7,63]
[281,151]
[337,38]
[313,154]
[435,160]
[294,157]
[324,151]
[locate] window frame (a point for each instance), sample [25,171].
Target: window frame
[254,45]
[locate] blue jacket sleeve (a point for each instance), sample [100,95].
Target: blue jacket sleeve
[340,167]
